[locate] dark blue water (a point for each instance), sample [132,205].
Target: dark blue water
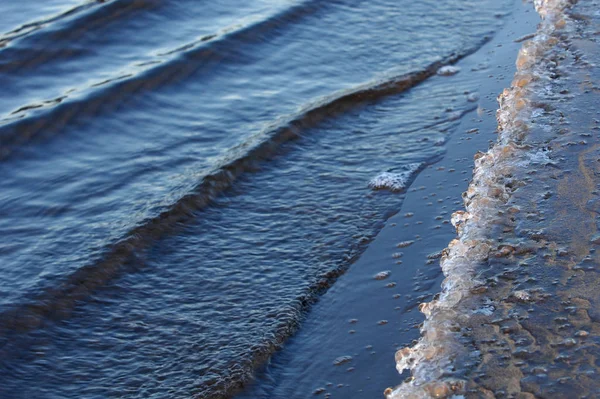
[180,180]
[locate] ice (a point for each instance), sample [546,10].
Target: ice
[439,350]
[448,70]
[395,181]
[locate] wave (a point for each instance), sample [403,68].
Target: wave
[73,21]
[42,36]
[442,357]
[52,115]
[123,256]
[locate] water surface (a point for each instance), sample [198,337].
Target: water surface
[180,180]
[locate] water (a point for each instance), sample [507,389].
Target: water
[180,181]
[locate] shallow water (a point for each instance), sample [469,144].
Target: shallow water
[181,180]
[517,316]
[373,309]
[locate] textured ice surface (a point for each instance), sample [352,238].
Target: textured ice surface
[539,157]
[448,70]
[438,362]
[395,181]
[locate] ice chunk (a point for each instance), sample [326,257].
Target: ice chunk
[448,70]
[395,181]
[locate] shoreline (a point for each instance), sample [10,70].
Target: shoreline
[517,316]
[346,344]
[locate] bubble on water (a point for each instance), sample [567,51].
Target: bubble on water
[473,97]
[382,275]
[342,360]
[395,181]
[539,157]
[448,70]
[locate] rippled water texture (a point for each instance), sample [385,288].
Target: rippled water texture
[179,180]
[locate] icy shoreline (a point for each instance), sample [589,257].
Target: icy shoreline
[442,355]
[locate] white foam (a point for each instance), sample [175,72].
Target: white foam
[539,157]
[395,181]
[448,70]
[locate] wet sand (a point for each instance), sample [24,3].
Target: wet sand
[542,340]
[522,319]
[345,347]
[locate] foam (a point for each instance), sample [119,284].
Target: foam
[448,70]
[539,157]
[395,181]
